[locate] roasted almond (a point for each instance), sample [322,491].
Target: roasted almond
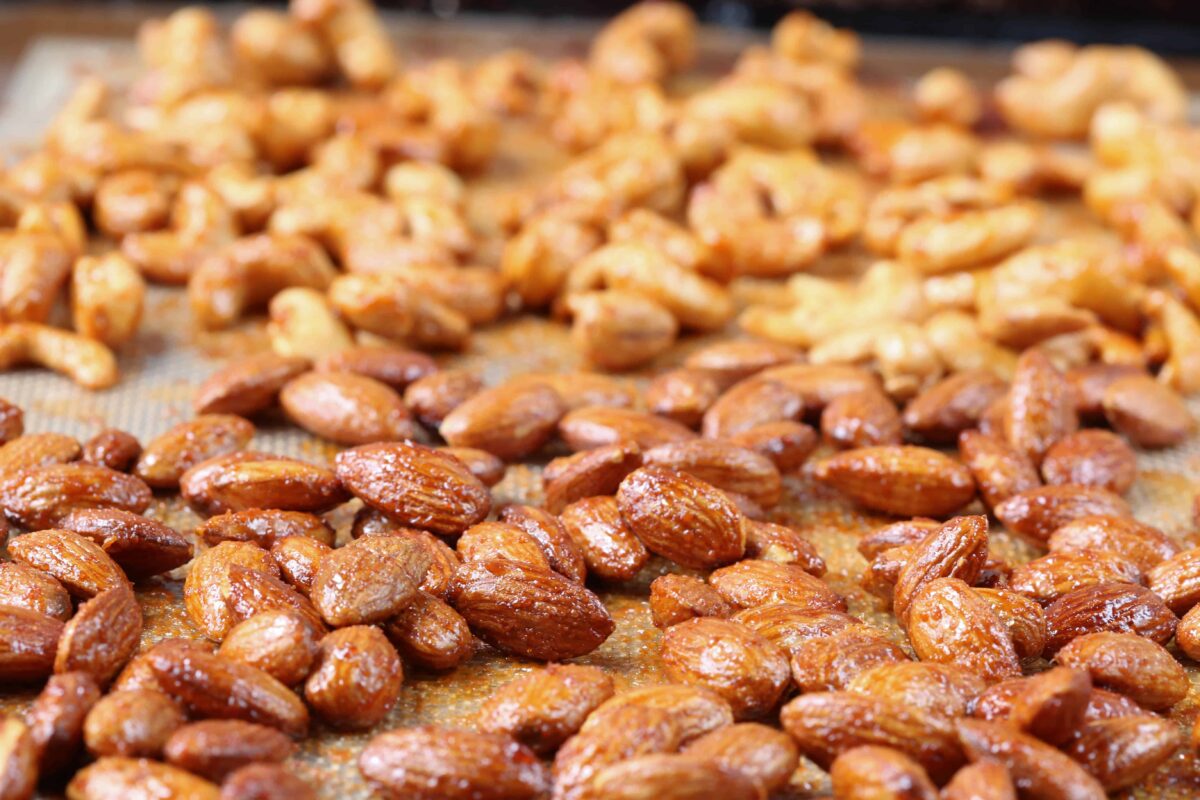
[1147,412]
[1049,705]
[936,688]
[391,365]
[771,542]
[489,540]
[565,556]
[133,722]
[672,777]
[73,560]
[280,642]
[1023,616]
[112,448]
[263,526]
[12,421]
[748,404]
[167,456]
[738,359]
[115,776]
[1129,664]
[206,588]
[252,591]
[1089,382]
[818,384]
[1091,458]
[37,450]
[27,644]
[102,635]
[902,480]
[692,710]
[141,546]
[683,395]
[431,763]
[999,470]
[1047,578]
[356,678]
[1134,541]
[530,612]
[415,486]
[949,623]
[247,385]
[754,582]
[265,781]
[214,687]
[958,549]
[483,465]
[433,397]
[896,534]
[583,389]
[510,421]
[430,634]
[596,426]
[1040,408]
[722,464]
[831,662]
[731,659]
[1118,607]
[681,517]
[346,408]
[609,548]
[38,498]
[874,771]
[631,731]
[1036,768]
[757,752]
[788,444]
[55,719]
[1176,580]
[32,589]
[369,579]
[215,748]
[1037,513]
[588,473]
[245,480]
[861,419]
[298,558]
[1187,634]
[1120,752]
[788,626]
[545,707]
[953,405]
[827,724]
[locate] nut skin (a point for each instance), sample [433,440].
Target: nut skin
[861,419]
[28,640]
[1176,580]
[38,498]
[429,763]
[670,776]
[1050,705]
[949,623]
[112,448]
[102,636]
[1147,412]
[1037,513]
[832,662]
[589,473]
[936,688]
[18,759]
[259,781]
[958,549]
[788,444]
[753,750]
[1000,471]
[692,710]
[631,731]
[356,678]
[544,708]
[1143,545]
[80,565]
[1047,578]
[38,450]
[394,366]
[1041,406]
[565,556]
[596,426]
[1117,607]
[1120,752]
[723,465]
[731,659]
[431,398]
[955,404]
[207,586]
[263,526]
[683,394]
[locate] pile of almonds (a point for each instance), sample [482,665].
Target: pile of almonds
[981,377]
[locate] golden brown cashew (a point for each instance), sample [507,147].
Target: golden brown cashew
[647,42]
[107,295]
[87,362]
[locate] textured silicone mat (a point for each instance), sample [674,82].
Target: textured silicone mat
[163,366]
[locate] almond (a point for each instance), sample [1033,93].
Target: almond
[430,763]
[530,612]
[114,776]
[38,498]
[827,724]
[1120,752]
[544,708]
[896,534]
[756,752]
[1187,634]
[1049,705]
[248,385]
[819,384]
[949,623]
[731,659]
[999,470]
[214,687]
[489,540]
[102,635]
[596,426]
[263,527]
[1091,458]
[1047,578]
[678,598]
[112,448]
[510,421]
[356,678]
[609,548]
[831,662]
[76,562]
[956,550]
[430,634]
[1141,544]
[861,419]
[12,421]
[33,590]
[139,674]
[1128,664]
[1024,618]
[433,397]
[27,644]
[722,464]
[788,626]
[683,395]
[251,591]
[670,777]
[752,582]
[630,731]
[748,404]
[215,748]
[169,455]
[369,579]
[692,710]
[936,688]
[393,366]
[280,642]
[264,781]
[346,408]
[1036,768]
[902,480]
[56,718]
[788,444]
[415,486]
[480,463]
[1118,607]
[681,517]
[738,359]
[583,389]
[770,542]
[245,480]
[1041,406]
[142,547]
[37,450]
[873,771]
[18,755]
[564,555]
[953,405]
[298,558]
[134,723]
[1176,580]
[588,473]
[206,588]
[1037,513]
[1147,412]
